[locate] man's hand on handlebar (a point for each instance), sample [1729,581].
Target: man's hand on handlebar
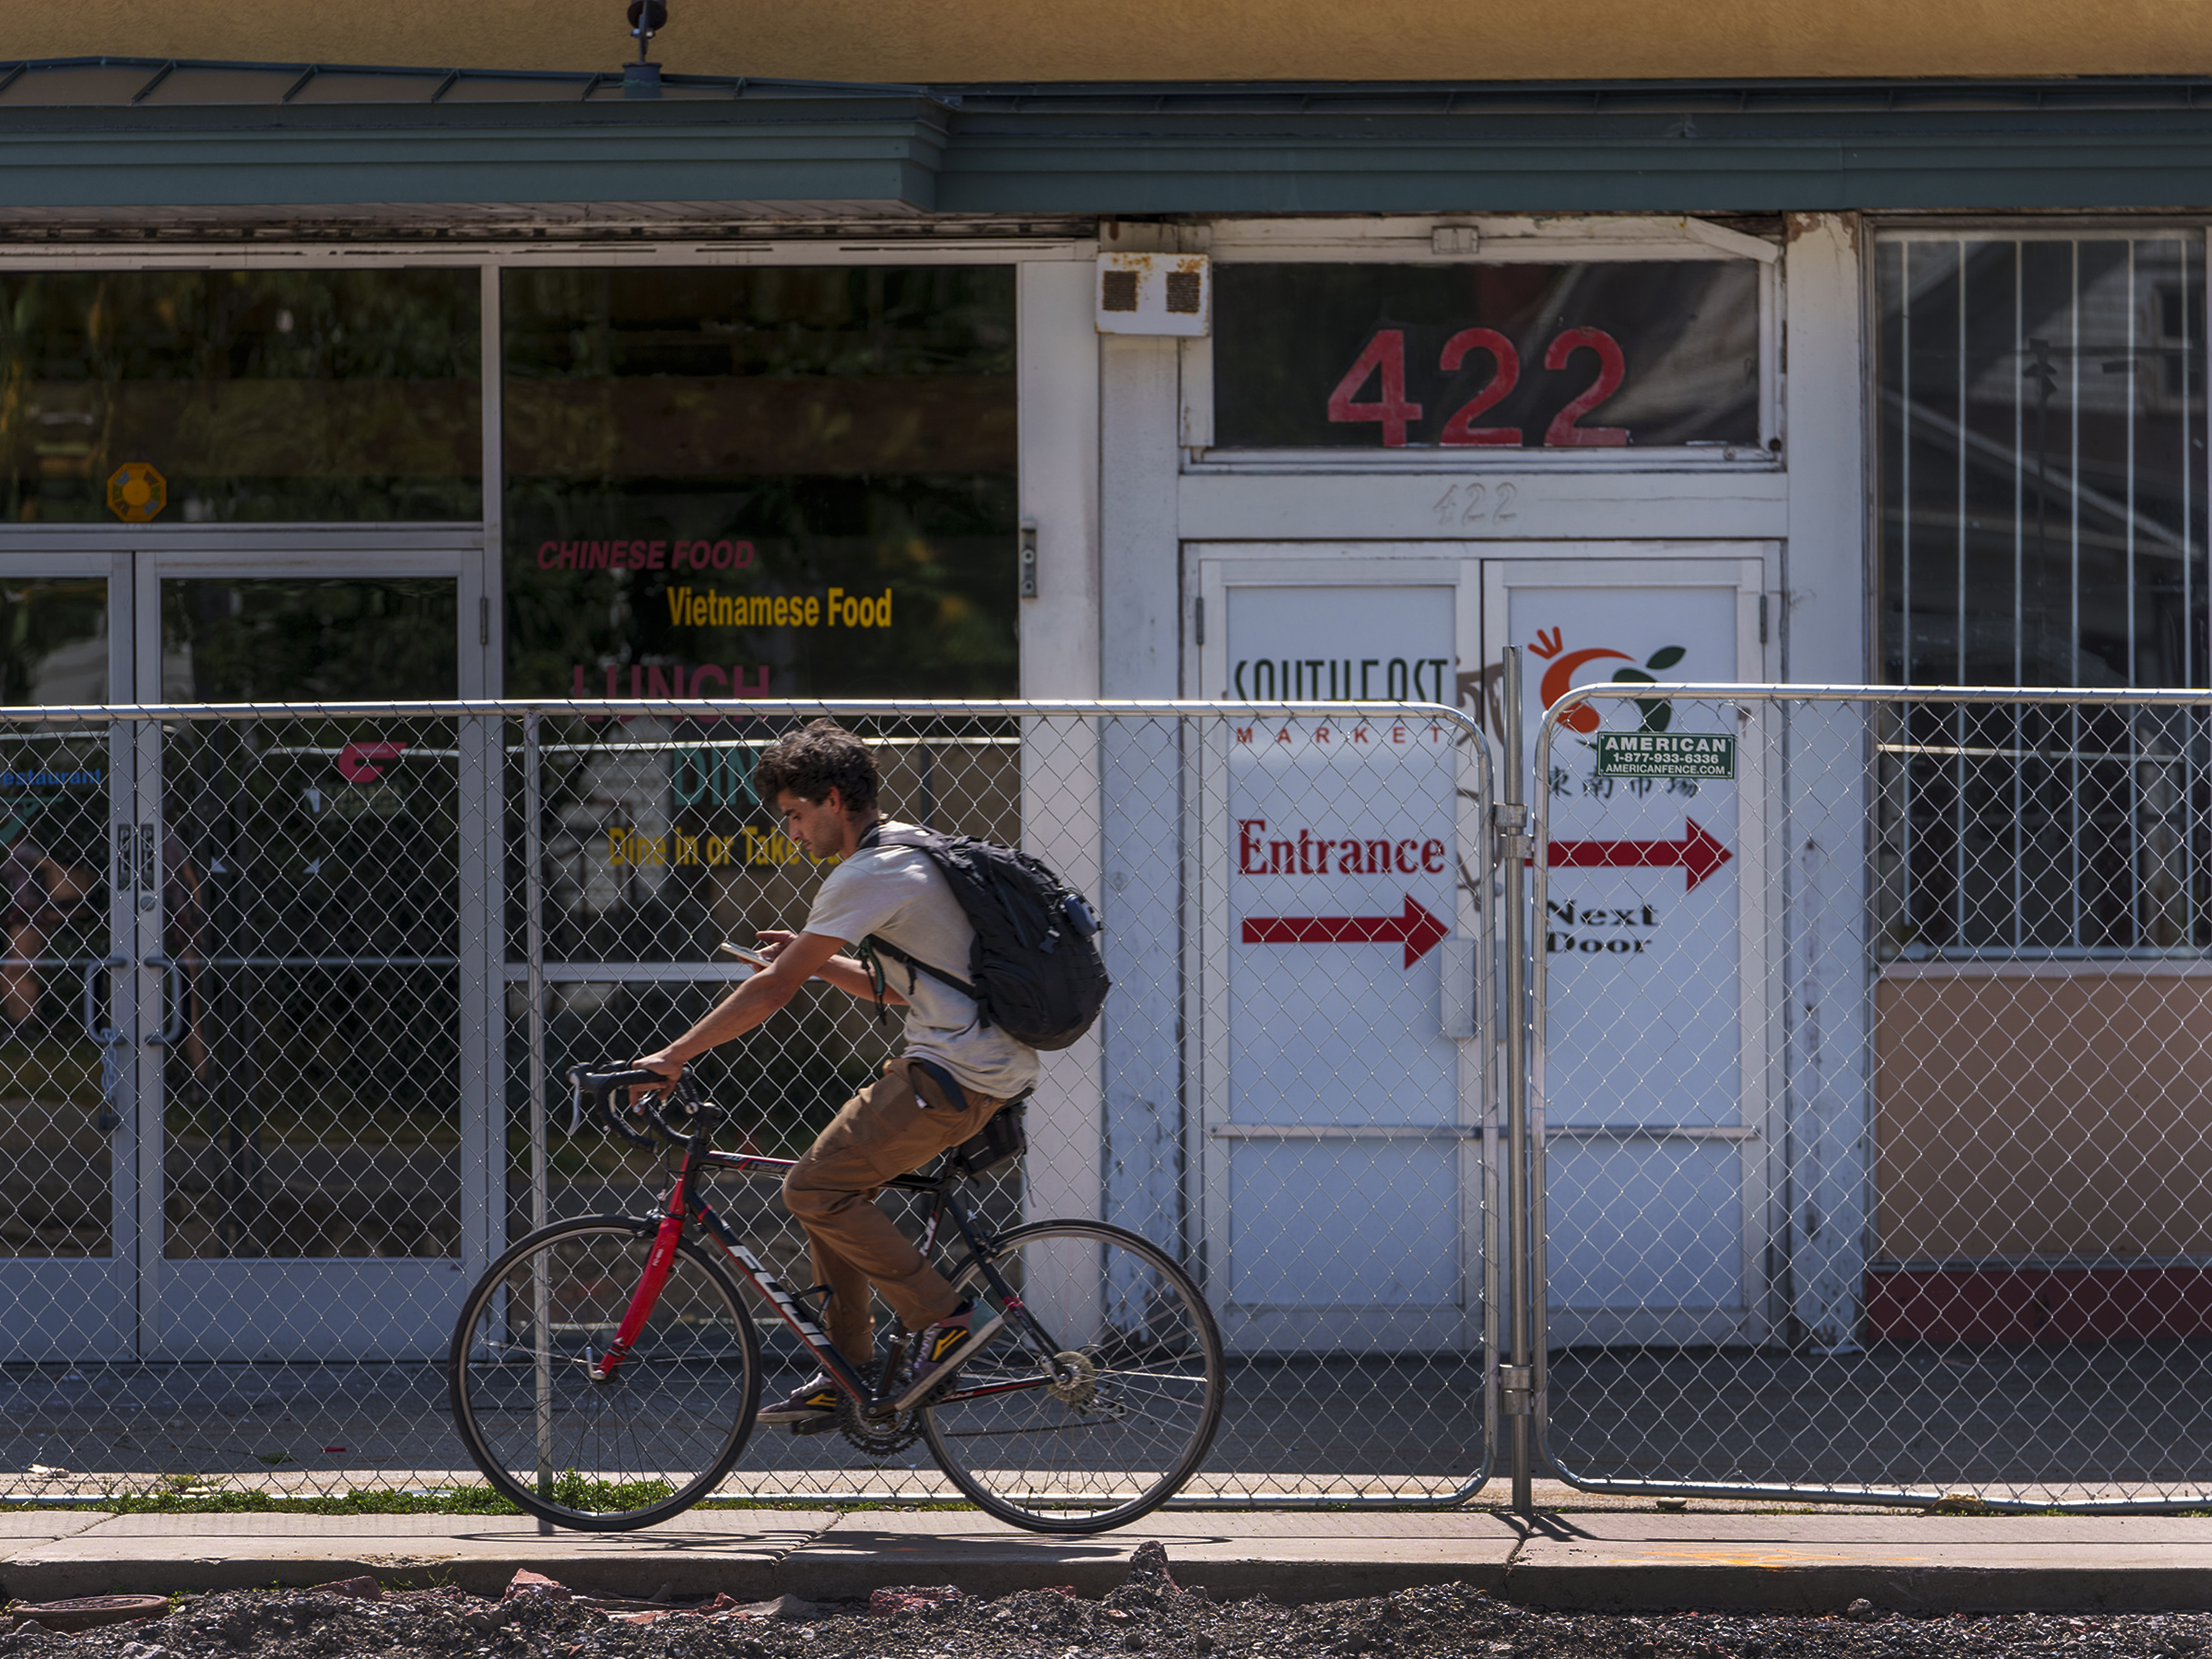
[640,1117]
[793,959]
[662,1062]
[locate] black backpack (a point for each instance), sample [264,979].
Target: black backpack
[1035,972]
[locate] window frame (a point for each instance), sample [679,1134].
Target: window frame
[1890,889]
[1499,240]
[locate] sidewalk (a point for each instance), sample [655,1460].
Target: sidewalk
[1599,1560]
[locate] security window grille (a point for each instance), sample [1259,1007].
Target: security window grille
[2043,476]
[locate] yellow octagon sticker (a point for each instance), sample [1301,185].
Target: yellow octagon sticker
[136,492]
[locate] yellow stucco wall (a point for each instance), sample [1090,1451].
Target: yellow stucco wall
[1162,39]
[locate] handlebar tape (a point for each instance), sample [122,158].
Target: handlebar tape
[599,1088]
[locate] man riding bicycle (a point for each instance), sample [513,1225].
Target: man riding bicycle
[955,1075]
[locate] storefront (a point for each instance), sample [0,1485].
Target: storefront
[231,483]
[867,417]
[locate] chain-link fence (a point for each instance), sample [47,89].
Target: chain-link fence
[291,991]
[248,1090]
[1871,1116]
[1868,1144]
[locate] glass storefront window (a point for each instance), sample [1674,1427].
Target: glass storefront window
[776,482]
[1648,353]
[741,483]
[251,396]
[318,640]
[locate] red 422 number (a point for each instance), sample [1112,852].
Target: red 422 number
[1383,361]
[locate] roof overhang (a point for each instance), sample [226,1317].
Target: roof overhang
[870,156]
[108,141]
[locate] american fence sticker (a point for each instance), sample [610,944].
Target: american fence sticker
[1665,755]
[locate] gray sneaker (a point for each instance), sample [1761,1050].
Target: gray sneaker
[942,1348]
[805,1409]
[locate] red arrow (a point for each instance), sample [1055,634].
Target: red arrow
[1696,853]
[1420,931]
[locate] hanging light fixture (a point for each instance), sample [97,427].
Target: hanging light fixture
[647,19]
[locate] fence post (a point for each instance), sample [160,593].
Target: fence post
[534,924]
[1512,844]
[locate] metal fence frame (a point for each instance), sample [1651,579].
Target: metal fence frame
[1520,1106]
[529,713]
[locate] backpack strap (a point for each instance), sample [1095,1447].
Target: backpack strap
[876,945]
[870,951]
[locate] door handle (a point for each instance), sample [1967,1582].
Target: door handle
[103,1035]
[111,1081]
[173,997]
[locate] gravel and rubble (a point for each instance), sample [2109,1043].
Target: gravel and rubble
[538,1618]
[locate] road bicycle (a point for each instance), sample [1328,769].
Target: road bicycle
[605,1372]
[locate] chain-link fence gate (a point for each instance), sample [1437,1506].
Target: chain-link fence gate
[262,965]
[1870,1114]
[250,1099]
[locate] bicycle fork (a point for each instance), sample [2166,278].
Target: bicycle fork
[642,1301]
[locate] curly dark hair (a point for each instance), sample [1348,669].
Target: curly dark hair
[811,761]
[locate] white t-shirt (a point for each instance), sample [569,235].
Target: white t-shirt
[898,893]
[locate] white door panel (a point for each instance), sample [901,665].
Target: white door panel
[1339,1127]
[307,1197]
[1650,1090]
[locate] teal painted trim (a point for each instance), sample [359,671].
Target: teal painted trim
[1666,161]
[999,153]
[1769,175]
[873,155]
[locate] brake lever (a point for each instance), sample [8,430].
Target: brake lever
[601,1088]
[613,1118]
[685,1094]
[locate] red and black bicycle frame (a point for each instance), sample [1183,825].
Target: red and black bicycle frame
[684,1204]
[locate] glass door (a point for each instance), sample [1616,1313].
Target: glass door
[69,1220]
[323,1125]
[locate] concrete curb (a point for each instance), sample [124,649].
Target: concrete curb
[1822,1562]
[1610,1563]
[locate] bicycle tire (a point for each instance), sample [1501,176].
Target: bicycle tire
[1083,1460]
[612,1456]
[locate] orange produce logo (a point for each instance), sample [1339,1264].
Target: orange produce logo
[1559,680]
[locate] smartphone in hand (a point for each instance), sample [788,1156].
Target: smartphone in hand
[743,955]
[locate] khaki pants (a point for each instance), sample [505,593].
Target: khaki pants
[884,1131]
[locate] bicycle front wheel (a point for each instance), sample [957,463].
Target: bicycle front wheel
[637,1448]
[1095,1400]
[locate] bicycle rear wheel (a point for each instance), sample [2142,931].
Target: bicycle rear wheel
[603,1456]
[1098,1411]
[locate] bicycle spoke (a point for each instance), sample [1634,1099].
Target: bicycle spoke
[651,1438]
[1109,1425]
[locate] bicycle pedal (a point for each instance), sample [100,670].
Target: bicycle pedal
[821,1425]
